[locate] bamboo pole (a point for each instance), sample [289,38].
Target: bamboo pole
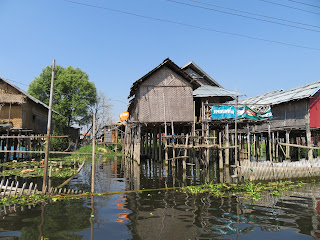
[93,151]
[248,142]
[287,146]
[236,131]
[227,144]
[308,135]
[45,171]
[298,146]
[269,142]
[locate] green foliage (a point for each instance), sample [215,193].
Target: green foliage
[32,199]
[73,96]
[36,168]
[248,190]
[105,150]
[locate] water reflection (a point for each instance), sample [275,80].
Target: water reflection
[165,214]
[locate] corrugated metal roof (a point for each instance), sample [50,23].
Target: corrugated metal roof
[281,96]
[200,72]
[28,95]
[212,91]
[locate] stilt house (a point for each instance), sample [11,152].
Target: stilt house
[293,109]
[169,96]
[20,110]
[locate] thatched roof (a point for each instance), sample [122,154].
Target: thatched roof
[12,98]
[15,99]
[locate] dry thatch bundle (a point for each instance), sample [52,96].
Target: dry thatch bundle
[12,98]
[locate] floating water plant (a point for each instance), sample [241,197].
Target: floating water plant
[248,190]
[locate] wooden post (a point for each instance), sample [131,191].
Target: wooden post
[166,144]
[184,161]
[261,146]
[46,159]
[248,142]
[154,144]
[308,135]
[150,143]
[227,144]
[173,143]
[277,147]
[287,147]
[236,132]
[274,148]
[254,154]
[93,151]
[220,152]
[269,141]
[160,145]
[194,119]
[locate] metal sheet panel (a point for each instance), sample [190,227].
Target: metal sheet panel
[211,91]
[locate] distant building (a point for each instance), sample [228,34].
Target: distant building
[292,109]
[20,110]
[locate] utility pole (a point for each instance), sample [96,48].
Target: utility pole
[236,132]
[93,150]
[45,171]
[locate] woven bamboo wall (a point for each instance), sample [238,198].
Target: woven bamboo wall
[15,115]
[164,96]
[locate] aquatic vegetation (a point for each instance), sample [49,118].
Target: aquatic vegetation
[248,190]
[32,199]
[102,150]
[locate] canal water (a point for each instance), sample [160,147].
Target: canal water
[163,214]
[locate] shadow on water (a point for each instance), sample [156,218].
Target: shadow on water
[164,214]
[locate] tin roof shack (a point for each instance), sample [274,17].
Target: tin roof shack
[291,107]
[294,111]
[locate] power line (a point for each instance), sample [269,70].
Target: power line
[239,15]
[305,3]
[15,81]
[256,14]
[193,26]
[283,5]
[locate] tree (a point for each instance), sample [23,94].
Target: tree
[102,110]
[73,96]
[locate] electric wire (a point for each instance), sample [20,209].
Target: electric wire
[193,26]
[304,3]
[256,14]
[283,5]
[239,15]
[15,81]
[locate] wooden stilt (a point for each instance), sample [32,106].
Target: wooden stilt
[227,144]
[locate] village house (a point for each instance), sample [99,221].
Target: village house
[169,100]
[296,116]
[21,111]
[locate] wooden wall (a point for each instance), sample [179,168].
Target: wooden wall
[34,117]
[289,115]
[165,95]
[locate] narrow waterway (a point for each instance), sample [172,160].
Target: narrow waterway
[163,214]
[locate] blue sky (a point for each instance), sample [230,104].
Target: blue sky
[116,49]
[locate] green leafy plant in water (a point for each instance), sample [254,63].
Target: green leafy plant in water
[248,190]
